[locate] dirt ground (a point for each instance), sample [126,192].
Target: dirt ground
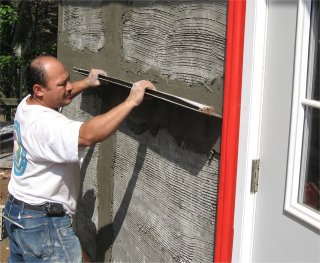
[4,179]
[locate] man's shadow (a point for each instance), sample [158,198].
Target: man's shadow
[85,210]
[108,234]
[85,228]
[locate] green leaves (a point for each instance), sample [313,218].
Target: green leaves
[7,60]
[8,16]
[27,29]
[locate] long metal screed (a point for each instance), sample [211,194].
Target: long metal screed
[189,104]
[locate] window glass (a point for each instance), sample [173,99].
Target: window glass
[315,53]
[310,161]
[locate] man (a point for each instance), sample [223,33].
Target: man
[44,184]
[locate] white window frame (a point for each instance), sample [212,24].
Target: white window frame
[292,205]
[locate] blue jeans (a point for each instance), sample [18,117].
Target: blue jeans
[40,238]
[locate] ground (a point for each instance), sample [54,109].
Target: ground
[4,179]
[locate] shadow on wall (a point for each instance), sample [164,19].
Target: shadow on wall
[191,129]
[85,210]
[200,133]
[110,232]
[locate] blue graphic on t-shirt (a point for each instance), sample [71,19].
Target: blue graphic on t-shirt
[19,152]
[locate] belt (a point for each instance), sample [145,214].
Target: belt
[50,209]
[25,205]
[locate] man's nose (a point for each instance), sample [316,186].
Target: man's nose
[69,86]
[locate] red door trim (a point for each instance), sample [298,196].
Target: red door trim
[230,130]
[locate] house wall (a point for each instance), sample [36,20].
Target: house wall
[149,192]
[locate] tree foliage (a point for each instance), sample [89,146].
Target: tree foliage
[28,28]
[8,16]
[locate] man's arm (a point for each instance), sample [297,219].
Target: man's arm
[102,126]
[89,82]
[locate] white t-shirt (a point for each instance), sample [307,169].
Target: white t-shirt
[45,157]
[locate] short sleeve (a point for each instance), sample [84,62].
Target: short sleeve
[57,139]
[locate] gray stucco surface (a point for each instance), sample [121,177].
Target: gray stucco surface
[149,192]
[177,38]
[84,24]
[163,200]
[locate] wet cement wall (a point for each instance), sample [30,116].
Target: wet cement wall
[149,192]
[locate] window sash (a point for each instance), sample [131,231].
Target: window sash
[311,103]
[299,105]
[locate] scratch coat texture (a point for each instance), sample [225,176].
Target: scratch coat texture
[164,201]
[184,41]
[149,193]
[84,26]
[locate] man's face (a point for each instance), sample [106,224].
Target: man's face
[57,92]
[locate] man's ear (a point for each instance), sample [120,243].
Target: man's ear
[37,90]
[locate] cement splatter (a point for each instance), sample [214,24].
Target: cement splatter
[83,25]
[184,41]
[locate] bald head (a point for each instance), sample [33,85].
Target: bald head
[48,83]
[37,71]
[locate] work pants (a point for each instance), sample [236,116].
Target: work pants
[36,237]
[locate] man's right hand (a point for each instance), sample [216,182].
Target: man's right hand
[137,91]
[102,126]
